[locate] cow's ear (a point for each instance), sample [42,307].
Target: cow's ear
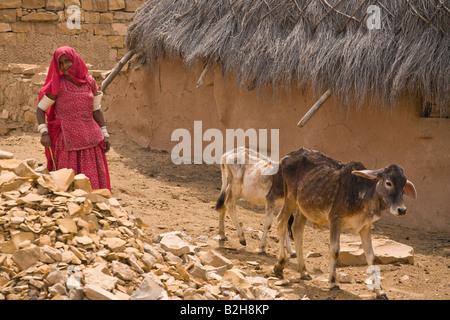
[409,190]
[368,174]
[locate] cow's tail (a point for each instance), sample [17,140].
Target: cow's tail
[290,222]
[221,201]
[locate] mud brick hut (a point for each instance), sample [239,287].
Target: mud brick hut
[263,64]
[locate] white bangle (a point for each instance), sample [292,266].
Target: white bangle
[45,103]
[97,101]
[42,128]
[105,132]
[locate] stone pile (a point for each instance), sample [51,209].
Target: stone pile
[59,239]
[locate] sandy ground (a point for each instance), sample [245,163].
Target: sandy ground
[168,197]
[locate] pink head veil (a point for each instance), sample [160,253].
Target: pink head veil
[77,71]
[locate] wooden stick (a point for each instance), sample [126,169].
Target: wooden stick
[202,76]
[53,159]
[116,70]
[314,108]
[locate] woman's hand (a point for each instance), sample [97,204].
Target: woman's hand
[107,144]
[46,141]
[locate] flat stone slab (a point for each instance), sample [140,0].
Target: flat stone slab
[386,251]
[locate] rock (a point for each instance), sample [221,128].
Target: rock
[313,254]
[19,167]
[30,199]
[6,155]
[135,264]
[199,272]
[171,258]
[386,251]
[403,279]
[20,236]
[53,253]
[123,271]
[46,181]
[82,182]
[265,293]
[7,177]
[83,240]
[236,278]
[215,259]
[8,247]
[56,276]
[63,178]
[67,225]
[96,277]
[281,283]
[26,257]
[58,289]
[114,244]
[148,260]
[95,292]
[174,244]
[257,281]
[344,278]
[151,288]
[154,252]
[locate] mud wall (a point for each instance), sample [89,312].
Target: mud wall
[150,104]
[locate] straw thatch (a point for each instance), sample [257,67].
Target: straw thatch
[321,43]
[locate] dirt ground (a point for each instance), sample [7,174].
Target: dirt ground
[170,197]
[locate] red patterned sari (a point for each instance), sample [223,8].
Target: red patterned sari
[77,141]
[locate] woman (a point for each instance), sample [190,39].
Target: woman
[75,135]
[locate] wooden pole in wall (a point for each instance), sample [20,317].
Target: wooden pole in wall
[116,70]
[314,108]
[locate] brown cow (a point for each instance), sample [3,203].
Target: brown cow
[340,195]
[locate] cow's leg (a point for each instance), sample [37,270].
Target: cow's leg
[270,207]
[221,204]
[291,252]
[222,235]
[235,191]
[373,270]
[232,212]
[335,232]
[288,236]
[298,227]
[283,219]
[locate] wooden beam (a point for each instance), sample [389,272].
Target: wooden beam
[314,108]
[202,76]
[116,70]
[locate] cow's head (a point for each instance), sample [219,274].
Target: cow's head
[392,185]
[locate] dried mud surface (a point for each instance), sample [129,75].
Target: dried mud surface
[170,197]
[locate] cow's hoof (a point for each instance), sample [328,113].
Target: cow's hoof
[278,271]
[306,277]
[382,297]
[335,288]
[243,242]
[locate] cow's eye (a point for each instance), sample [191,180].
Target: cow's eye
[388,184]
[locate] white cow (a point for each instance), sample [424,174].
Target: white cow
[255,178]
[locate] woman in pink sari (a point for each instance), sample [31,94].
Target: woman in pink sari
[75,134]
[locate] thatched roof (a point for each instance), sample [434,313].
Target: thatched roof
[323,43]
